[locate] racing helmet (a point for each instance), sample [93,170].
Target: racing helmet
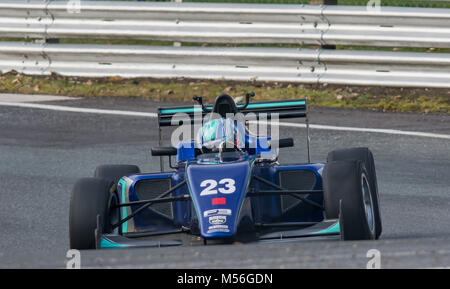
[217,132]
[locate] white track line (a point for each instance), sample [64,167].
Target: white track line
[79,109]
[361,129]
[9,97]
[286,124]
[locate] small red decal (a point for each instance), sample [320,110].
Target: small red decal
[219,201]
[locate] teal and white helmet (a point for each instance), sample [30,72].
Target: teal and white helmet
[217,131]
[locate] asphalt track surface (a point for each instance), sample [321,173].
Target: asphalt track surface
[43,152]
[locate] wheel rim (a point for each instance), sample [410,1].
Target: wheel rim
[368,203]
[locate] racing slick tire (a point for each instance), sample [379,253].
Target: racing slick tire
[91,197]
[346,187]
[365,155]
[115,172]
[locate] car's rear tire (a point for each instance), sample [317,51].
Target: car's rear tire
[91,197]
[115,172]
[365,155]
[346,187]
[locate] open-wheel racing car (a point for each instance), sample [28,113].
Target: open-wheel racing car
[227,186]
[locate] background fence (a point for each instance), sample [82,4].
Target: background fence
[273,42]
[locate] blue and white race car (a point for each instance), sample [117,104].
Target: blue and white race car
[227,186]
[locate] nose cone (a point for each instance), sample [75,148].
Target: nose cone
[218,192]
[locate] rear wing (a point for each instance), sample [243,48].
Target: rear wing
[293,108]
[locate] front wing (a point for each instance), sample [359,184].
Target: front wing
[325,229]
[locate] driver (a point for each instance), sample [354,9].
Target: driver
[221,133]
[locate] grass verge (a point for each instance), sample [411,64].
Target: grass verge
[181,90]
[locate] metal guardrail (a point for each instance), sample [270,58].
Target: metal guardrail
[229,23]
[239,63]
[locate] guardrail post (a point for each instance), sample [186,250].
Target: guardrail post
[177,43]
[325,2]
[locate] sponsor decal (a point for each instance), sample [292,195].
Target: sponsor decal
[217,212]
[218,228]
[219,201]
[217,220]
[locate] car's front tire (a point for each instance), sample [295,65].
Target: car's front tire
[365,155]
[347,191]
[91,197]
